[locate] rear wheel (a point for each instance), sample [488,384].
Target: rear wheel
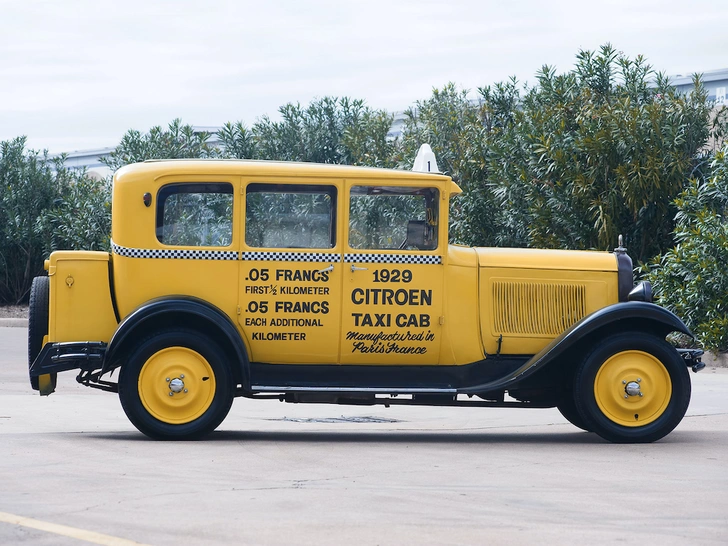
[38,324]
[632,388]
[176,386]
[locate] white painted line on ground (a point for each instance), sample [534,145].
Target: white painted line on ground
[63,530]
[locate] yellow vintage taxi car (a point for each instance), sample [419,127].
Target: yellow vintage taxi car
[336,284]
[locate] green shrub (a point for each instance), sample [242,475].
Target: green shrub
[691,279]
[44,207]
[80,218]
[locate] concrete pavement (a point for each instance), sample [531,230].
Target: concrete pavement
[306,474]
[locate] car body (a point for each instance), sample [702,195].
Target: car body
[336,284]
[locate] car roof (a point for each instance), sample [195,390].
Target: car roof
[242,167]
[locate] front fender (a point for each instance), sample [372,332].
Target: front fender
[630,316]
[171,311]
[634,316]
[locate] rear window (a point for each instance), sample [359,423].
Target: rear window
[195,214]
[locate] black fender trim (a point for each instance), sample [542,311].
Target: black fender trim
[636,316]
[176,310]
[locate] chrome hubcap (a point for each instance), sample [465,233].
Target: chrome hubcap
[176,385]
[632,388]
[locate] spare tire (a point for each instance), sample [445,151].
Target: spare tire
[38,323]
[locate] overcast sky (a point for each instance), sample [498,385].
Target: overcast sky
[77,74]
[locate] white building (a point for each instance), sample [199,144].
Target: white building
[715,82]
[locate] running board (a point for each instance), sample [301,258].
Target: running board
[350,396]
[365,390]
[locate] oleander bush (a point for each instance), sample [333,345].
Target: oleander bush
[690,279]
[43,207]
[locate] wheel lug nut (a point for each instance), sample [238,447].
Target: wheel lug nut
[639,379]
[186,391]
[171,393]
[623,382]
[182,376]
[167,379]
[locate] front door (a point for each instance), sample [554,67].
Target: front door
[393,276]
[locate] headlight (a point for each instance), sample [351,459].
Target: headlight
[641,292]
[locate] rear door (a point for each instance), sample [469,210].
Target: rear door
[291,274]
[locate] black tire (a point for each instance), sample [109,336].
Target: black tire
[567,408]
[191,415]
[38,323]
[639,362]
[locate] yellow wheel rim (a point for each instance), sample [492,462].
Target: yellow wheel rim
[176,385]
[632,388]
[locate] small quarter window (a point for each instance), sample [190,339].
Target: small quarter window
[195,215]
[290,216]
[390,217]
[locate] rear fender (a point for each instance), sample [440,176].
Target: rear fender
[179,311]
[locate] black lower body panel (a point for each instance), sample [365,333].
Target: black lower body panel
[266,377]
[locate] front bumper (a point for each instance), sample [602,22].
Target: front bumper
[692,358]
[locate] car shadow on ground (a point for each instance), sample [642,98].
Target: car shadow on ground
[401,437]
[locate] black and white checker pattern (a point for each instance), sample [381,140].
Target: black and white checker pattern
[268,256]
[173,254]
[290,256]
[392,259]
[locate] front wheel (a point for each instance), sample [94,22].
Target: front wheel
[567,408]
[632,388]
[176,385]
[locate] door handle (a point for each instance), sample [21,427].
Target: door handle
[355,268]
[325,269]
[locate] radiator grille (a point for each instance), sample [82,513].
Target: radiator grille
[537,308]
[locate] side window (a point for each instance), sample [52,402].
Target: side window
[195,214]
[290,216]
[387,217]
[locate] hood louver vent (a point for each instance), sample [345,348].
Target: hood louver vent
[534,308]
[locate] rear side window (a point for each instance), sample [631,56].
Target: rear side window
[195,214]
[290,216]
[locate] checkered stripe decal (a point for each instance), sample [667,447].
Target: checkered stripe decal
[266,256]
[290,256]
[174,254]
[392,259]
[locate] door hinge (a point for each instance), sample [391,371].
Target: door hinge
[239,310]
[442,321]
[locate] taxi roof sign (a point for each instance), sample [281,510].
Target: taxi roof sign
[425,161]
